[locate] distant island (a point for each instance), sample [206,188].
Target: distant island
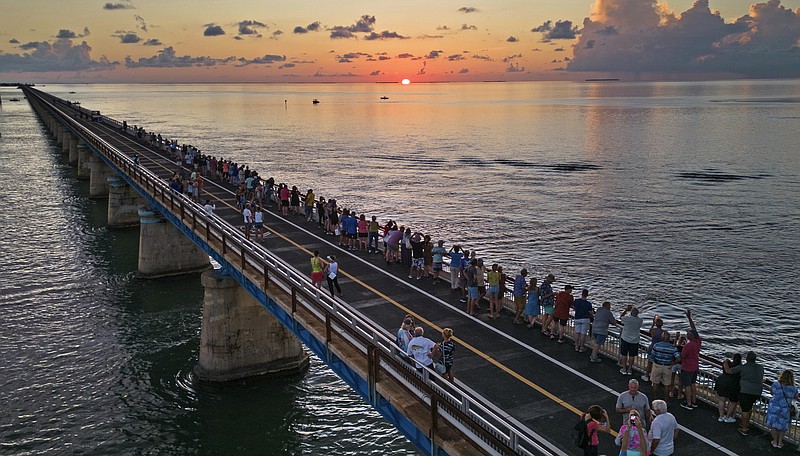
[602,79]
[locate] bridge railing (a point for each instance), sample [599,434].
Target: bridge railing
[477,419]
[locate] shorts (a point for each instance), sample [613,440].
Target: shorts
[582,326]
[248,226]
[317,276]
[362,235]
[417,263]
[562,321]
[391,247]
[494,291]
[746,401]
[661,374]
[627,348]
[472,292]
[259,225]
[482,289]
[352,235]
[519,303]
[548,310]
[688,378]
[600,339]
[285,203]
[437,266]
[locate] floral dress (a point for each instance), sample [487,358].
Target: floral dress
[778,410]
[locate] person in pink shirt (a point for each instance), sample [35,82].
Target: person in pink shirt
[690,365]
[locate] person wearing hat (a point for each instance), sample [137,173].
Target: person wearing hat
[438,258]
[690,364]
[633,399]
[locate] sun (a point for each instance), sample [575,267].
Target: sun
[405,82]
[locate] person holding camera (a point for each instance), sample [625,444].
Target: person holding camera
[631,438]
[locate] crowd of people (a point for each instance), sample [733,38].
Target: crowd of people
[673,361]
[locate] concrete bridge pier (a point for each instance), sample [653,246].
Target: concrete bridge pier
[58,134]
[239,338]
[72,148]
[99,173]
[65,144]
[84,154]
[164,251]
[123,203]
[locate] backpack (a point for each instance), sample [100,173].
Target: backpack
[580,434]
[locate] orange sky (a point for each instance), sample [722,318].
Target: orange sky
[360,41]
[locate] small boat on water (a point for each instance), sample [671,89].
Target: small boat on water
[315,101]
[384,97]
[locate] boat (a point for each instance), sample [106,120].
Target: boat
[13,99]
[384,97]
[315,101]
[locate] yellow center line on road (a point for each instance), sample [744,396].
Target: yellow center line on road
[418,317]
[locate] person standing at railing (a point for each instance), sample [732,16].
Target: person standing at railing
[532,304]
[448,349]
[471,274]
[309,209]
[603,317]
[372,235]
[493,291]
[547,300]
[199,183]
[778,412]
[727,389]
[455,266]
[655,336]
[258,221]
[690,364]
[629,338]
[520,289]
[317,266]
[421,349]
[564,302]
[438,253]
[209,208]
[583,314]
[751,377]
[404,336]
[664,354]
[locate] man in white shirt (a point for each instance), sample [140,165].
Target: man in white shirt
[248,220]
[420,348]
[209,208]
[663,430]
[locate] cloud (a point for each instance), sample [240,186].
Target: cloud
[385,35]
[558,50]
[512,39]
[213,30]
[515,68]
[433,55]
[13,41]
[167,58]
[455,57]
[249,27]
[405,55]
[422,70]
[384,57]
[129,38]
[442,27]
[430,37]
[364,24]
[69,34]
[376,73]
[467,9]
[641,36]
[312,27]
[511,58]
[140,22]
[463,71]
[483,57]
[319,74]
[267,59]
[468,27]
[61,55]
[118,6]
[287,65]
[152,42]
[562,30]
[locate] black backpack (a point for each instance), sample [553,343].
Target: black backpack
[580,434]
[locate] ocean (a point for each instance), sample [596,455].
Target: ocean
[667,196]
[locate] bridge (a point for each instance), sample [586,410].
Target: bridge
[515,392]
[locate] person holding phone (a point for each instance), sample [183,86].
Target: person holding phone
[631,439]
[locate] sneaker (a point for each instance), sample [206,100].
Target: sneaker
[743,431]
[623,371]
[462,300]
[728,419]
[694,406]
[410,277]
[646,378]
[721,419]
[576,348]
[686,405]
[594,360]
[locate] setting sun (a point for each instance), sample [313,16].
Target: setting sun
[405,82]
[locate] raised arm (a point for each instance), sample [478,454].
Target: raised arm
[691,321]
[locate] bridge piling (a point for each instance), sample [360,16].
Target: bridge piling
[123,203]
[84,153]
[72,148]
[239,338]
[65,140]
[164,251]
[99,173]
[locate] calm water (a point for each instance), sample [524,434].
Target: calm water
[666,195]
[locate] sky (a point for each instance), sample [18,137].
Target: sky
[386,41]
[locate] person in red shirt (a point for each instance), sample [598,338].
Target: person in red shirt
[690,364]
[564,300]
[596,421]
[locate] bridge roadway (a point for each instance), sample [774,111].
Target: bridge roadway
[540,383]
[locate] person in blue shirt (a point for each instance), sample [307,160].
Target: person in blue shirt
[520,288]
[583,314]
[455,266]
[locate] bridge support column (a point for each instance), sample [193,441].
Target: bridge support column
[123,203]
[99,173]
[65,143]
[164,251]
[84,154]
[239,338]
[72,147]
[58,134]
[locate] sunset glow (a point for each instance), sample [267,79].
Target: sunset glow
[405,82]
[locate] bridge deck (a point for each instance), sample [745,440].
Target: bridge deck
[541,383]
